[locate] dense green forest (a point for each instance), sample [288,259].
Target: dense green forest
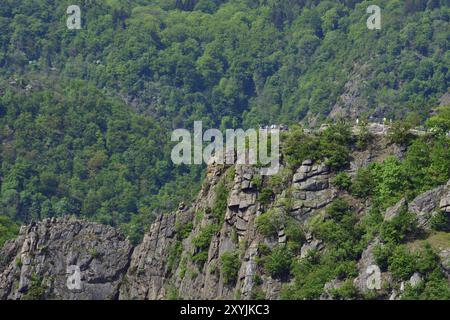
[238,61]
[86,115]
[75,150]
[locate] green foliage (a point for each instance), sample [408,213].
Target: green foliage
[257,294]
[298,147]
[440,222]
[269,223]
[200,258]
[332,145]
[434,285]
[240,60]
[310,278]
[363,184]
[391,179]
[280,181]
[265,196]
[19,263]
[85,129]
[203,239]
[342,181]
[175,252]
[346,291]
[81,152]
[184,229]
[440,121]
[257,181]
[371,223]
[338,210]
[36,291]
[294,234]
[72,146]
[382,253]
[335,145]
[401,263]
[230,264]
[220,204]
[399,133]
[425,166]
[263,249]
[427,260]
[399,228]
[340,230]
[172,293]
[93,252]
[8,229]
[363,137]
[183,266]
[202,242]
[343,237]
[278,263]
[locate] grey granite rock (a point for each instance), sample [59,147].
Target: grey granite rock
[47,256]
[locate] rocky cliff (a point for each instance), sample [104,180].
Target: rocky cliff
[182,255]
[64,259]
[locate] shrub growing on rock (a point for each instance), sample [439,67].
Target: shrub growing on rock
[399,228]
[230,264]
[342,181]
[202,242]
[269,223]
[278,263]
[363,184]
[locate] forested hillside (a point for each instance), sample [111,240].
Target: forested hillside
[86,115]
[72,149]
[242,60]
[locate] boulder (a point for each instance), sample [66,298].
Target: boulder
[415,279]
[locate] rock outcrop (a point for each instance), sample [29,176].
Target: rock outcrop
[148,270]
[64,259]
[424,206]
[311,190]
[181,255]
[370,276]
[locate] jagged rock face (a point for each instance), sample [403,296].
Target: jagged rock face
[149,276]
[80,260]
[64,259]
[311,190]
[242,209]
[149,268]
